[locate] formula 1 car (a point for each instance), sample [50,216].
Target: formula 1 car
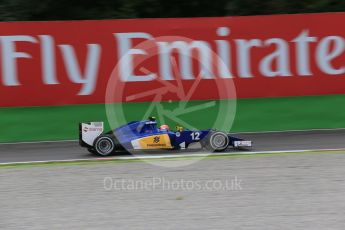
[145,135]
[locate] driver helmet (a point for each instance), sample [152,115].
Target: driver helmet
[164,127]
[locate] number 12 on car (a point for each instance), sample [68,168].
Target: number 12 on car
[195,136]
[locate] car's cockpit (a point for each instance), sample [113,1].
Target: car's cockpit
[147,127]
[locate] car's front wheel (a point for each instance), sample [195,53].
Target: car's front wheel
[104,145]
[216,141]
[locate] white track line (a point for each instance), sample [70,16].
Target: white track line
[37,142]
[162,156]
[290,131]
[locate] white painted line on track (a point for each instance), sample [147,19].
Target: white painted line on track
[289,131]
[37,142]
[163,156]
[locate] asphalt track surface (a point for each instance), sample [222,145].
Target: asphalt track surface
[276,141]
[296,191]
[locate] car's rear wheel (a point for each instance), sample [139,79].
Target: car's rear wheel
[104,145]
[216,141]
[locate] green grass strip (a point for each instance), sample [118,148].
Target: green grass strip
[261,114]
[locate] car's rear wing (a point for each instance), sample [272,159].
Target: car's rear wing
[89,131]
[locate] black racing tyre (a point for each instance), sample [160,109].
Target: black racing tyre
[216,141]
[104,145]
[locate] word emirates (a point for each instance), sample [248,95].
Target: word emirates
[277,63]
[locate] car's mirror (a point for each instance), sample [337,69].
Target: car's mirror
[179,128]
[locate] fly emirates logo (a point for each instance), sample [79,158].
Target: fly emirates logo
[234,58]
